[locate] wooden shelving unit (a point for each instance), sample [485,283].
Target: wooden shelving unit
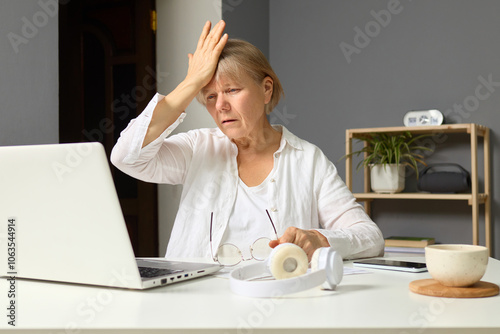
[475,198]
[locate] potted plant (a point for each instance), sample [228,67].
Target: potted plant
[387,156]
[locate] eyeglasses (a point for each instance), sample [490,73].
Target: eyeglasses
[230,255]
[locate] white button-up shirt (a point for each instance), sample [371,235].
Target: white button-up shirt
[305,190]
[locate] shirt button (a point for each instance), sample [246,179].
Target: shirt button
[272,180]
[274,209]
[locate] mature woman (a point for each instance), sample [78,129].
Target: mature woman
[245,179]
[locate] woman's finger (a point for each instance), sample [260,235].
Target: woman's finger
[204,33]
[220,45]
[211,40]
[308,240]
[287,237]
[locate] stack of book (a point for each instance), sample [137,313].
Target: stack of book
[407,244]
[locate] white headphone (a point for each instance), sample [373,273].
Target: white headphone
[288,264]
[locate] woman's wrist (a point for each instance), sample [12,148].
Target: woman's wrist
[322,239]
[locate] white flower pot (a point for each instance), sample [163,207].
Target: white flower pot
[388,179]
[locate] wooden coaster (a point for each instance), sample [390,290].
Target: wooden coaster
[430,287]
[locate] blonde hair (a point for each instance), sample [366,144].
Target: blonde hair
[241,56]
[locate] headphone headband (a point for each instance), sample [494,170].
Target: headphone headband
[328,270]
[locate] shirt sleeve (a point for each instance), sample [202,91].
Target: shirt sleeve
[161,161]
[349,230]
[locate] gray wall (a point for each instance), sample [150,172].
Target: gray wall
[428,54]
[29,73]
[248,20]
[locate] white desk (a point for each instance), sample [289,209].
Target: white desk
[377,302]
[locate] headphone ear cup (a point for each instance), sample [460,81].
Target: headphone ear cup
[329,260]
[287,260]
[315,260]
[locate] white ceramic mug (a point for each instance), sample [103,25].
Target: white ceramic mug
[456,265]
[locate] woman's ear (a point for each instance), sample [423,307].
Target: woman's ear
[267,84]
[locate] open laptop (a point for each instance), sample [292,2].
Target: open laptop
[62,221]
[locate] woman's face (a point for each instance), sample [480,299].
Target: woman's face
[238,106]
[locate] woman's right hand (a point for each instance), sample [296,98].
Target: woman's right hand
[202,65]
[203,62]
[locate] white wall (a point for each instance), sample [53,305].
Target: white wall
[29,80]
[179,27]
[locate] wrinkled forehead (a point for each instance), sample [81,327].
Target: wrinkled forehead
[231,71]
[222,80]
[219,82]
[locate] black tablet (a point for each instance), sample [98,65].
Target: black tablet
[388,264]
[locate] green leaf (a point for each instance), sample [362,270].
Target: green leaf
[383,148]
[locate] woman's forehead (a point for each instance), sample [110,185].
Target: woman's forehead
[224,80]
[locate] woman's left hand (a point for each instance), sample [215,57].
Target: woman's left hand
[308,240]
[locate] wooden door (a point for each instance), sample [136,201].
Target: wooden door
[107,76]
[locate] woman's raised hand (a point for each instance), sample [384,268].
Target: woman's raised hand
[203,62]
[202,65]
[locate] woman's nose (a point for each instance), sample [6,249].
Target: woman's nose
[222,104]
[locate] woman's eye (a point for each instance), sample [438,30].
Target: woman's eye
[210,97]
[233,90]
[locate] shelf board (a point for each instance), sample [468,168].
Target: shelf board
[463,197]
[445,128]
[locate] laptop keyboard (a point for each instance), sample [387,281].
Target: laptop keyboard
[148,272]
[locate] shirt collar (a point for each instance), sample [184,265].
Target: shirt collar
[288,137]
